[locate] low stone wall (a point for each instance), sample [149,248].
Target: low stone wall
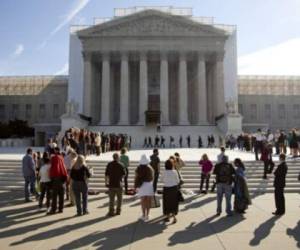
[16,142]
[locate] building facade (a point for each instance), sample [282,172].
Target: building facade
[40,100]
[269,102]
[150,66]
[153,67]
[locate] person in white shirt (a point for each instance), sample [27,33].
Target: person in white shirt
[69,161]
[259,138]
[221,155]
[170,180]
[45,184]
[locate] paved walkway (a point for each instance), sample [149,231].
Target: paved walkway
[188,154]
[22,227]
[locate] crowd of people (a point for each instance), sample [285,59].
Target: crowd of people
[255,142]
[86,142]
[55,175]
[161,142]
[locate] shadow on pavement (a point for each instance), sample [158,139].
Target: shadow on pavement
[295,232]
[198,204]
[263,231]
[204,229]
[58,231]
[114,238]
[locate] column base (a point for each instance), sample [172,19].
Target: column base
[203,123]
[184,123]
[123,123]
[104,123]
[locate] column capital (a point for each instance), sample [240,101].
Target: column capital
[105,55]
[164,55]
[143,55]
[219,56]
[201,56]
[182,55]
[87,55]
[124,55]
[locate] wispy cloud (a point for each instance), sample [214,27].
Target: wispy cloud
[63,71]
[280,59]
[18,51]
[80,4]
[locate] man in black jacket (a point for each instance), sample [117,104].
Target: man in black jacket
[279,184]
[224,172]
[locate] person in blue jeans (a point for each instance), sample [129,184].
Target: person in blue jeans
[79,175]
[224,172]
[28,169]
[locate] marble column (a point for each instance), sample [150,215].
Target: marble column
[219,85]
[105,90]
[164,88]
[124,90]
[201,90]
[143,90]
[183,91]
[87,84]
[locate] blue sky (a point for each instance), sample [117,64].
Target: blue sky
[35,33]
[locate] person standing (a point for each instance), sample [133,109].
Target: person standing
[162,142]
[224,172]
[266,157]
[143,182]
[155,164]
[156,141]
[222,155]
[171,181]
[80,173]
[124,159]
[69,161]
[259,138]
[179,163]
[188,141]
[97,144]
[28,169]
[206,168]
[45,183]
[58,175]
[199,141]
[242,198]
[180,141]
[279,185]
[114,174]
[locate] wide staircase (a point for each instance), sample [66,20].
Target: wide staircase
[11,176]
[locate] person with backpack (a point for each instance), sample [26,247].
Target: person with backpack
[224,172]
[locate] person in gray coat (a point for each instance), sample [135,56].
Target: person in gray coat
[28,168]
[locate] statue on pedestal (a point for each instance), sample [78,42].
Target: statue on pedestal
[231,107]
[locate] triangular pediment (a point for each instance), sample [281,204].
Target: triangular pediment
[151,23]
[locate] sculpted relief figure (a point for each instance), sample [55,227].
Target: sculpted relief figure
[231,107]
[72,108]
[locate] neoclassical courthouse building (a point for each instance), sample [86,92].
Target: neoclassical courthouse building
[149,67]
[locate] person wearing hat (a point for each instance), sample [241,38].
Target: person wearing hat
[143,182]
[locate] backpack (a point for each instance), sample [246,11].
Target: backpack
[224,174]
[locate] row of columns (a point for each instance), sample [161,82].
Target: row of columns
[201,89]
